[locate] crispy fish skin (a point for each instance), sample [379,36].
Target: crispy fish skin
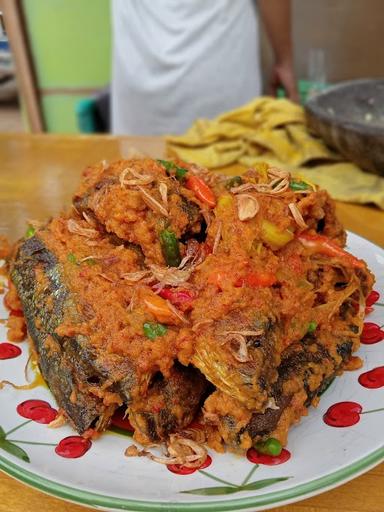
[70,365]
[169,406]
[56,355]
[306,370]
[295,390]
[249,382]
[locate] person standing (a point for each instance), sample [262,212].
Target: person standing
[177,60]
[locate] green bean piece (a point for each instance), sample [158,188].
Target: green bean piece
[72,258]
[312,327]
[270,447]
[234,182]
[167,164]
[298,185]
[180,172]
[153,330]
[30,232]
[170,248]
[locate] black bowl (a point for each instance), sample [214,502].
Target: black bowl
[350,118]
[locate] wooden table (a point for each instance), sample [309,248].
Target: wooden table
[38,174]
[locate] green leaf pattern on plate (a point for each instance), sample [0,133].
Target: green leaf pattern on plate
[254,486]
[13,449]
[230,488]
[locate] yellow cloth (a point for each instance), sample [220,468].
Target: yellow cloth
[274,131]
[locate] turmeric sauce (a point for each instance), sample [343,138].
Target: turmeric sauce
[230,304]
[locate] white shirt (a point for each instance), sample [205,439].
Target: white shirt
[177,60]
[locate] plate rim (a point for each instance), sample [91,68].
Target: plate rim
[284,496]
[92,499]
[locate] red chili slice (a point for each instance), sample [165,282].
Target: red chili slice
[256,280]
[177,297]
[120,421]
[323,245]
[201,190]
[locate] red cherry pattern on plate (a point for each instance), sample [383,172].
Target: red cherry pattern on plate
[269,460]
[343,414]
[346,414]
[373,379]
[9,351]
[372,333]
[37,410]
[73,447]
[179,469]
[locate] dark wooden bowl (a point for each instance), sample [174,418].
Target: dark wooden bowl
[350,118]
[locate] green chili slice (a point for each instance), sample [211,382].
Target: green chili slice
[167,165]
[180,172]
[72,258]
[312,326]
[170,248]
[153,330]
[30,232]
[298,185]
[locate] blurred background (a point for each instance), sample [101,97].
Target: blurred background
[60,53]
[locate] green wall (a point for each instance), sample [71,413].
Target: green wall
[71,49]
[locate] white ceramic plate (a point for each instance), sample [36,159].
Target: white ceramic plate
[322,457]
